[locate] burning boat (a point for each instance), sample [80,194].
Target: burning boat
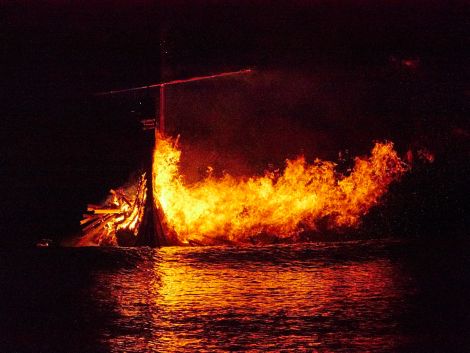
[162,209]
[301,198]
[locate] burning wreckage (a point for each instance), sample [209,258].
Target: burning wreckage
[161,209]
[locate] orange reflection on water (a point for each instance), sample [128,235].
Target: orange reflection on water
[213,298]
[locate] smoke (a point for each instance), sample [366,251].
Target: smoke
[234,125]
[248,124]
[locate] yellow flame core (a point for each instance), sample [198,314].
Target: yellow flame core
[282,204]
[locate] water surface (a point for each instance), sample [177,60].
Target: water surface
[359,296]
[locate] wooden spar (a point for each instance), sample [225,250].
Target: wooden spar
[160,102]
[175,82]
[107,211]
[88,218]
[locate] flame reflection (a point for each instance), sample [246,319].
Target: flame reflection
[217,299]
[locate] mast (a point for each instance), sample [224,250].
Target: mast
[162,111]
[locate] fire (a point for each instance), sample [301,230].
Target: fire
[120,215]
[284,204]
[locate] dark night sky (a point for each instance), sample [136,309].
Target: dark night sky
[327,71]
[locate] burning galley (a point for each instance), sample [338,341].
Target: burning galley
[162,209]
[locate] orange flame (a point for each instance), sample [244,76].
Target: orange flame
[121,213]
[284,204]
